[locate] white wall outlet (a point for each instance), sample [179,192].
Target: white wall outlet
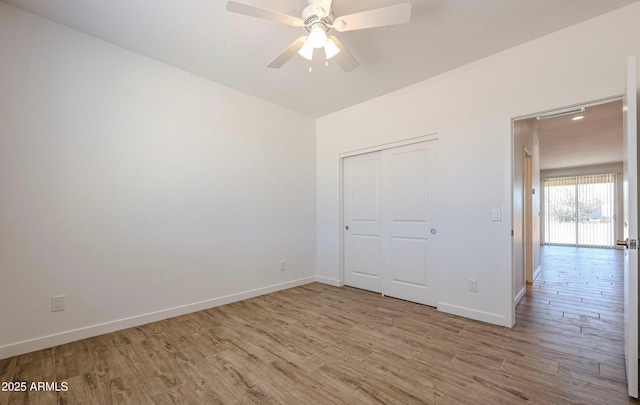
[473,285]
[283,266]
[57,303]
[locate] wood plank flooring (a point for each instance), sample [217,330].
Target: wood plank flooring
[318,344]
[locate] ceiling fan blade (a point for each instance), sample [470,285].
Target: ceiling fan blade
[246,9]
[379,17]
[322,7]
[346,61]
[288,53]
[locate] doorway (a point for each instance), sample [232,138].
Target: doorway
[583,140]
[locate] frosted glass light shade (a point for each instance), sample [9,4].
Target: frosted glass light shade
[331,49]
[317,37]
[306,51]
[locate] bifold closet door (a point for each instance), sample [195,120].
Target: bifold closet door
[390,236]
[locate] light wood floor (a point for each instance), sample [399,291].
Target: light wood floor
[318,344]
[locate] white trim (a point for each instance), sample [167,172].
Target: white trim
[574,106]
[341,219]
[510,313]
[520,295]
[473,314]
[330,281]
[390,145]
[536,273]
[30,345]
[527,231]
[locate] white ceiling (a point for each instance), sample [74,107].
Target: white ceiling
[201,37]
[596,139]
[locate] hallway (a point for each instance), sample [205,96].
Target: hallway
[575,306]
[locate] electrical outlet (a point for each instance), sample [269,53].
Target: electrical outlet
[57,303]
[283,266]
[473,285]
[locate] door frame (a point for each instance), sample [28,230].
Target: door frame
[630,215]
[527,227]
[362,151]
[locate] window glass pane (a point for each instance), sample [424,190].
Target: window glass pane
[560,212]
[580,211]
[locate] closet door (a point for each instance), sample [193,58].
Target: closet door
[361,214]
[409,247]
[390,234]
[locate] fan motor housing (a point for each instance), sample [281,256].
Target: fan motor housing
[311,19]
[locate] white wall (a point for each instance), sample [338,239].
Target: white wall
[137,190]
[471,108]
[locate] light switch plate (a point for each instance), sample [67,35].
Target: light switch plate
[496,214]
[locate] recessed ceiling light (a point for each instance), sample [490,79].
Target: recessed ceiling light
[578,118]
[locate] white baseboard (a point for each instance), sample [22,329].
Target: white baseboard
[331,281]
[536,272]
[472,314]
[44,342]
[520,295]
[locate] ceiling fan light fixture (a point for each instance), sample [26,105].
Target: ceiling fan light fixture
[317,20]
[317,37]
[307,50]
[331,49]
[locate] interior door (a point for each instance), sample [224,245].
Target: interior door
[631,227]
[408,226]
[361,214]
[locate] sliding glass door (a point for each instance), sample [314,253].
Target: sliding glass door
[580,211]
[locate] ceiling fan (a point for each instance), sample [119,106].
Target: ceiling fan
[318,20]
